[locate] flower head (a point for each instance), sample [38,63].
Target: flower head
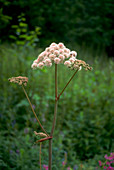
[19,80]
[58,53]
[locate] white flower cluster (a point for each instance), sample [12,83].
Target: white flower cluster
[55,53]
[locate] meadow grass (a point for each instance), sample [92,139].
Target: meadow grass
[84,127]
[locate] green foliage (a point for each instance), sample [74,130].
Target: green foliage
[85,22]
[22,36]
[84,127]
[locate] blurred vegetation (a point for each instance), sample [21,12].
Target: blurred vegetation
[84,126]
[85,22]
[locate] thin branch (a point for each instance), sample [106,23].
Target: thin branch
[43,139]
[34,111]
[66,85]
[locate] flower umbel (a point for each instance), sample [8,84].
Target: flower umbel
[58,53]
[19,80]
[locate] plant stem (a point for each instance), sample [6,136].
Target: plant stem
[55,109]
[50,154]
[54,121]
[67,84]
[55,114]
[33,110]
[40,154]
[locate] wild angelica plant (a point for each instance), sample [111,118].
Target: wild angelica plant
[54,54]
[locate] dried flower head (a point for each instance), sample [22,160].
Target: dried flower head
[81,63]
[19,80]
[41,134]
[76,64]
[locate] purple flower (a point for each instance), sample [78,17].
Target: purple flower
[45,167]
[26,130]
[75,167]
[108,163]
[63,163]
[17,151]
[100,163]
[111,157]
[110,168]
[11,151]
[106,157]
[34,120]
[33,106]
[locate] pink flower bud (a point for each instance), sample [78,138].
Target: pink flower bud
[73,53]
[34,65]
[61,51]
[53,44]
[72,59]
[62,57]
[48,64]
[57,60]
[66,50]
[40,65]
[40,57]
[56,47]
[56,52]
[52,56]
[66,55]
[47,49]
[67,63]
[61,45]
[36,61]
[43,53]
[52,50]
[48,53]
[47,60]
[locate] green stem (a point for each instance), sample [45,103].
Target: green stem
[54,121]
[33,110]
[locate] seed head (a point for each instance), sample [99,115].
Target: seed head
[19,80]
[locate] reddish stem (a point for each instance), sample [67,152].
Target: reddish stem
[67,85]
